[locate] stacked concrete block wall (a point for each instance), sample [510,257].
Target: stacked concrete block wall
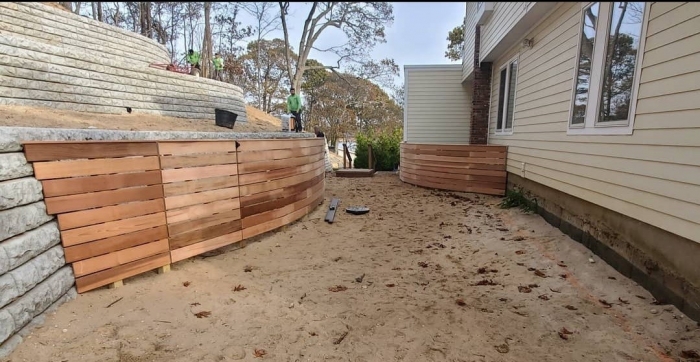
[53,58]
[34,277]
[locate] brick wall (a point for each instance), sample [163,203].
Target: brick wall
[481,94]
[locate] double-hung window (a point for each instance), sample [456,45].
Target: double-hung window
[607,68]
[506,97]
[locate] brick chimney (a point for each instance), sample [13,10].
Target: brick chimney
[481,95]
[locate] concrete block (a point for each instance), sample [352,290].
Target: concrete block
[19,192]
[21,219]
[21,248]
[14,165]
[9,144]
[21,280]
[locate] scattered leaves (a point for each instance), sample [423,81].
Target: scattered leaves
[570,307]
[391,285]
[194,304]
[501,229]
[690,354]
[337,258]
[360,278]
[422,264]
[485,282]
[202,314]
[533,285]
[520,252]
[605,303]
[540,273]
[341,338]
[561,264]
[518,238]
[502,348]
[248,269]
[461,302]
[555,290]
[186,284]
[313,334]
[564,276]
[612,278]
[564,332]
[238,288]
[338,288]
[543,297]
[481,270]
[258,353]
[524,289]
[623,301]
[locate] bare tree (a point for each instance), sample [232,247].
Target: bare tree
[207,55]
[362,23]
[266,22]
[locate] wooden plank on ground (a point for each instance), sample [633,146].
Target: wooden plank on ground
[43,151]
[117,258]
[78,185]
[62,204]
[115,243]
[77,219]
[207,245]
[121,272]
[100,166]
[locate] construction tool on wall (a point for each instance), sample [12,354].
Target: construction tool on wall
[330,215]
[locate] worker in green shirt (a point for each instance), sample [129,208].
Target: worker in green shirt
[218,66]
[294,107]
[193,58]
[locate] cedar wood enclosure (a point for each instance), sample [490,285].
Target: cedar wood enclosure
[127,207]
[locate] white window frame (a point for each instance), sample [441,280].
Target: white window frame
[591,125]
[503,131]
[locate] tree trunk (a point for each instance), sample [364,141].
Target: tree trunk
[145,19]
[77,8]
[99,11]
[207,42]
[68,5]
[94,10]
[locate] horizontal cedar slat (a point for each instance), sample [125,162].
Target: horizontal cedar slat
[112,228]
[451,170]
[203,210]
[456,177]
[195,173]
[470,166]
[174,202]
[267,165]
[207,245]
[199,146]
[276,144]
[76,219]
[474,148]
[267,155]
[277,174]
[488,161]
[79,185]
[99,166]
[79,150]
[115,243]
[61,204]
[203,234]
[108,276]
[280,183]
[205,184]
[282,192]
[273,224]
[493,189]
[474,183]
[181,227]
[121,257]
[197,160]
[302,201]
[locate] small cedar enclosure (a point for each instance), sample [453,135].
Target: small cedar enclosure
[467,168]
[127,207]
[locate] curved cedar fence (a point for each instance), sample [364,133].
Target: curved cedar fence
[467,168]
[127,207]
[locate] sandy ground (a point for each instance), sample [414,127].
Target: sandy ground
[258,121]
[423,255]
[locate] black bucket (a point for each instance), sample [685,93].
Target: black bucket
[225,118]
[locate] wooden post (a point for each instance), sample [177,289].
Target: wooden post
[370,157]
[345,150]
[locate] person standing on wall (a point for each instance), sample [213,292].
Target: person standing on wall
[218,67]
[193,59]
[294,107]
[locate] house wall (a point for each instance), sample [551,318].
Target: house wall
[469,35]
[438,107]
[505,16]
[653,175]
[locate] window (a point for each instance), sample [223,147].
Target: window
[506,97]
[607,68]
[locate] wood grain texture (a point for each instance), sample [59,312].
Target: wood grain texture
[110,229]
[79,185]
[197,160]
[189,225]
[99,279]
[268,155]
[117,258]
[269,165]
[196,173]
[303,201]
[115,243]
[272,195]
[100,166]
[199,146]
[205,184]
[207,245]
[281,183]
[278,144]
[203,210]
[199,235]
[271,175]
[276,223]
[63,204]
[174,202]
[466,168]
[77,219]
[54,151]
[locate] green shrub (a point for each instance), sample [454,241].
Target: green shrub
[385,149]
[516,198]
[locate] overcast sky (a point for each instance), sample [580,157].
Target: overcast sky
[417,36]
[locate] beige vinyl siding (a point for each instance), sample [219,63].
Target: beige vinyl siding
[505,16]
[652,175]
[469,37]
[438,107]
